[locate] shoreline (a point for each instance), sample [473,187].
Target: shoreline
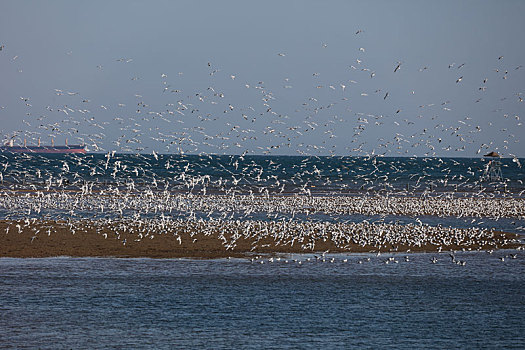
[39,239]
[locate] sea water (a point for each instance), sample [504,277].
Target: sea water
[284,174]
[366,302]
[296,302]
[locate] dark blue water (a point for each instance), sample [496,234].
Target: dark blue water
[60,303]
[287,174]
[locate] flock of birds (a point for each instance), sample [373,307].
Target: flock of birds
[269,236]
[208,121]
[243,206]
[359,114]
[266,220]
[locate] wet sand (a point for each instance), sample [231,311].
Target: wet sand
[50,239]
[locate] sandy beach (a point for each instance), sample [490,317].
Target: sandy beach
[88,239]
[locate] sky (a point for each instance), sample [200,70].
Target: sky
[346,78]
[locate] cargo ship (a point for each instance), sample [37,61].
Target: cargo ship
[10,147]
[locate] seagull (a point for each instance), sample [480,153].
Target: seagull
[397,67]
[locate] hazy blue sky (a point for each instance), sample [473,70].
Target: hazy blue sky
[284,77]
